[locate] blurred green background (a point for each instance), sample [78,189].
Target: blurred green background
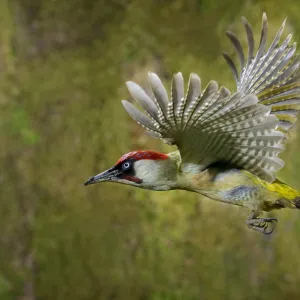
[63,67]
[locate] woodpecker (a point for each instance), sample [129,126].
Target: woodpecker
[228,143]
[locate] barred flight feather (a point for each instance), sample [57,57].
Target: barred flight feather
[243,128]
[268,74]
[211,125]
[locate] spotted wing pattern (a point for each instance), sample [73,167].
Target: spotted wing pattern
[245,128]
[273,75]
[210,126]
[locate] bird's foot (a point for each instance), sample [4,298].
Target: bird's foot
[263,225]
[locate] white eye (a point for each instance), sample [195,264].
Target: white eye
[126,165]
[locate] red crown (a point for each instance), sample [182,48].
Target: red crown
[138,155]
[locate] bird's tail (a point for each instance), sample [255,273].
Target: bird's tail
[291,203]
[297,202]
[272,75]
[287,196]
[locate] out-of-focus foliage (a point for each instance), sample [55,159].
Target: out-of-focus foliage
[63,66]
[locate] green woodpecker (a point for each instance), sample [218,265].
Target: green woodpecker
[228,144]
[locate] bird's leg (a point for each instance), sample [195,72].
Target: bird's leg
[263,225]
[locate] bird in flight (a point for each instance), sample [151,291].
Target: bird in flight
[228,143]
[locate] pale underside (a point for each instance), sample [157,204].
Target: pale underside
[247,128]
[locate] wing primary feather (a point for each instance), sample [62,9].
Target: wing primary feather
[194,91]
[238,47]
[139,117]
[192,97]
[277,37]
[263,37]
[159,92]
[139,95]
[250,40]
[177,91]
[232,66]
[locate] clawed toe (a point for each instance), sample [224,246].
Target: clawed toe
[263,225]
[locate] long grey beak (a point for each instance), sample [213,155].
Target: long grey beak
[104,176]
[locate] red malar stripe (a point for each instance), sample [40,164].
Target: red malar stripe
[131,178]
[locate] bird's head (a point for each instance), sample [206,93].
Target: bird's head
[144,169]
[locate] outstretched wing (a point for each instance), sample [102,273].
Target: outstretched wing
[210,126]
[273,75]
[213,125]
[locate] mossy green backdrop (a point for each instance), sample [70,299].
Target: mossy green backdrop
[63,67]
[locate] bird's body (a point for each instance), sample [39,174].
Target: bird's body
[240,187]
[219,182]
[228,144]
